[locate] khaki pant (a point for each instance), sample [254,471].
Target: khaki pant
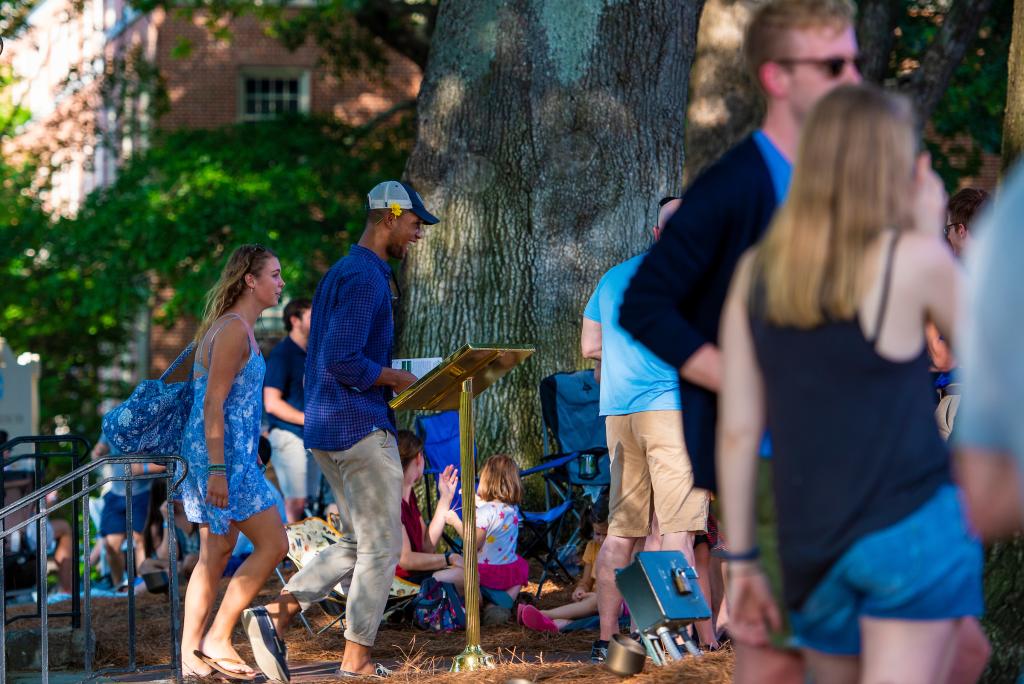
[651,473]
[367,484]
[298,475]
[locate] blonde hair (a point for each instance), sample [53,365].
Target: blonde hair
[231,284]
[852,180]
[499,480]
[767,31]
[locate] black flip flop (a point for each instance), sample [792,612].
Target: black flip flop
[215,663]
[268,649]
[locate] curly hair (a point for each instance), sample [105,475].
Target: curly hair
[231,284]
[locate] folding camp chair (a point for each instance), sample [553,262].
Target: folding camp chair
[575,448]
[440,435]
[306,539]
[441,448]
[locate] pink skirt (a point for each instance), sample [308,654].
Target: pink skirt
[501,577]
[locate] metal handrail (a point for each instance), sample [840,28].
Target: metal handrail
[177,469]
[78,452]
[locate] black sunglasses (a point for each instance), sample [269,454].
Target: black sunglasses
[833,66]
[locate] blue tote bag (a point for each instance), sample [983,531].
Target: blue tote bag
[152,420]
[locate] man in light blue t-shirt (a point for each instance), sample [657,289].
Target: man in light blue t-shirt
[651,469]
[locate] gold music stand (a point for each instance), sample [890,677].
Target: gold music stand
[453,384]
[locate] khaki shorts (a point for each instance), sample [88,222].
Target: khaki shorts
[651,473]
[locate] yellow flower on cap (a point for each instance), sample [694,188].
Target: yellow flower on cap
[395,209]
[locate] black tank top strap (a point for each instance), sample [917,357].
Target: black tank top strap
[883,303]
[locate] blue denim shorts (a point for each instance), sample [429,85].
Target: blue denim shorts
[927,566]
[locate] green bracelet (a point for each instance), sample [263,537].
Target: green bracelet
[217,468]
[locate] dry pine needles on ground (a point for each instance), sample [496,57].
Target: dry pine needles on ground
[416,655]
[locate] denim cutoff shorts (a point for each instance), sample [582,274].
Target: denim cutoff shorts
[927,566]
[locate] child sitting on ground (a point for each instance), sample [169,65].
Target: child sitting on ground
[584,597]
[497,530]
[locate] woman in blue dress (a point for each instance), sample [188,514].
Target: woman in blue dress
[225,491]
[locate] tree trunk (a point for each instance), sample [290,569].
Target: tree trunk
[1004,582]
[725,103]
[1004,610]
[876,21]
[548,130]
[927,84]
[1013,121]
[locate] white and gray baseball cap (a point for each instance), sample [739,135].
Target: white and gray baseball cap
[385,195]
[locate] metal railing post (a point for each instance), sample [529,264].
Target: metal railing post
[87,575]
[176,470]
[172,554]
[44,625]
[76,551]
[130,564]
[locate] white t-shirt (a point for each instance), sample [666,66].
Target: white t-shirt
[500,523]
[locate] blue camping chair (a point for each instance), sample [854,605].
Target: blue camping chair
[440,435]
[575,448]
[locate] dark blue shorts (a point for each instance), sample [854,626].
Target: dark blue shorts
[112,519]
[927,566]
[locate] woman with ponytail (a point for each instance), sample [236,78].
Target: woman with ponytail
[225,491]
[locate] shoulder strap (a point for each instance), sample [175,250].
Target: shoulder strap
[177,362]
[223,324]
[883,303]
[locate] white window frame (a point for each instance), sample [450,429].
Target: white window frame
[298,73]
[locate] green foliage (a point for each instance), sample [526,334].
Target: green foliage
[970,113]
[54,301]
[14,17]
[12,114]
[349,33]
[74,288]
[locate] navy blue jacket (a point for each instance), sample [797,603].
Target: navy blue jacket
[674,303]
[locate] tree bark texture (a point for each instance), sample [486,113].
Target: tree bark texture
[1013,120]
[725,103]
[1004,610]
[548,130]
[1004,581]
[876,21]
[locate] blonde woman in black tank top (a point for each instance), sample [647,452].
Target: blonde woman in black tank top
[823,346]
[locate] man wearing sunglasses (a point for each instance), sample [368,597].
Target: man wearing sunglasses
[797,51]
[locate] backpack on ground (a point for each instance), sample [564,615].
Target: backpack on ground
[438,608]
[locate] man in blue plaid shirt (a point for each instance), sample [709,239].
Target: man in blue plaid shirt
[351,430]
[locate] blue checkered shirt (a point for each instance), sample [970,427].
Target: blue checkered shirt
[350,339]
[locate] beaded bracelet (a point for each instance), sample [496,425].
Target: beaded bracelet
[749,555]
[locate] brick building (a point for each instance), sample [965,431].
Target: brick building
[68,47]
[61,57]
